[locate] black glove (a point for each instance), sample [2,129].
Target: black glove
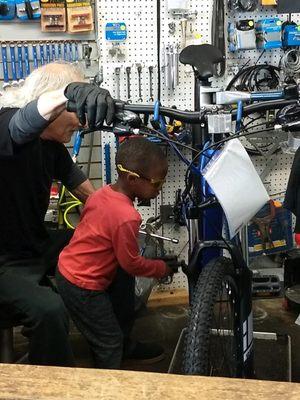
[172,262]
[91,100]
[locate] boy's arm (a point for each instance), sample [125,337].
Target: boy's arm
[128,253]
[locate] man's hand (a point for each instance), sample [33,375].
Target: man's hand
[89,99]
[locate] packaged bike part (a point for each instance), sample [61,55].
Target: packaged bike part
[242,5]
[53,16]
[28,9]
[290,34]
[241,35]
[236,184]
[80,16]
[177,5]
[7,10]
[268,33]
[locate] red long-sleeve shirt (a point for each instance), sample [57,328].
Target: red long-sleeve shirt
[106,238]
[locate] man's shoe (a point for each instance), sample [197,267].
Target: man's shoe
[144,353]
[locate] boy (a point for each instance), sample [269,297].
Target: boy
[96,270]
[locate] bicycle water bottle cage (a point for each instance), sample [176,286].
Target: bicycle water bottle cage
[202,58]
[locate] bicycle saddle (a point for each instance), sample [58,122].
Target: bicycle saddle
[203,58]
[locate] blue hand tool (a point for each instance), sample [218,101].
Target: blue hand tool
[20,63]
[26,59]
[5,66]
[13,65]
[35,56]
[42,54]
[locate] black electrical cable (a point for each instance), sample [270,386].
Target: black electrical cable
[256,77]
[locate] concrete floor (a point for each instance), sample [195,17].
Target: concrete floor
[164,325]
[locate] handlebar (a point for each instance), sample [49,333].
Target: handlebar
[191,117]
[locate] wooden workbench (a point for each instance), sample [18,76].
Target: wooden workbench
[32,383]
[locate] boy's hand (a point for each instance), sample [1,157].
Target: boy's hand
[172,263]
[89,99]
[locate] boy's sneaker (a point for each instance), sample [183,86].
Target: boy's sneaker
[144,353]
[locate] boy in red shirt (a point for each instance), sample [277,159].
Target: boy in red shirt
[96,270]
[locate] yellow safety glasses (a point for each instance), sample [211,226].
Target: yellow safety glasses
[156,183]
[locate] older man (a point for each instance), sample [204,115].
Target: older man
[34,124]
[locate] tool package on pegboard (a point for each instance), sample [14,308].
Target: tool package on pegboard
[270,230]
[72,16]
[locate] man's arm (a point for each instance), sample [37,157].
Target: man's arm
[30,121]
[83,190]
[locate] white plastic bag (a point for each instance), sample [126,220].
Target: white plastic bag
[236,184]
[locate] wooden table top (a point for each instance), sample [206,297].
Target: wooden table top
[33,382]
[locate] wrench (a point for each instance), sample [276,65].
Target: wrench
[70,52]
[139,70]
[128,72]
[13,65]
[53,51]
[26,59]
[20,63]
[59,51]
[35,57]
[117,73]
[65,52]
[48,52]
[76,52]
[154,235]
[42,54]
[151,83]
[5,66]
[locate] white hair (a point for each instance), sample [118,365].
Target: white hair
[49,77]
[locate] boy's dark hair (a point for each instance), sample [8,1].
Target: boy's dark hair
[139,154]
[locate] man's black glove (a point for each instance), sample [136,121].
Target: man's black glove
[89,99]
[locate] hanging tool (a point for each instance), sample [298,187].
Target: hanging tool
[13,65]
[107,159]
[26,59]
[155,236]
[42,54]
[59,51]
[117,74]
[139,70]
[70,52]
[53,52]
[151,83]
[128,73]
[48,54]
[86,51]
[35,57]
[65,51]
[20,63]
[175,65]
[76,52]
[5,66]
[183,25]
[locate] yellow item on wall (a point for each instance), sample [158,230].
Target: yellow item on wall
[269,2]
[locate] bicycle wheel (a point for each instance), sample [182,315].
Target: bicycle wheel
[211,343]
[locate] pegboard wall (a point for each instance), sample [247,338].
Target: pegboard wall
[141,48]
[135,60]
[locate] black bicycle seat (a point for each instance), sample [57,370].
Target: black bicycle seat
[203,58]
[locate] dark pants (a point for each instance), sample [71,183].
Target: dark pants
[26,299]
[105,318]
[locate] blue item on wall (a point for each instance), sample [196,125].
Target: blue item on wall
[115,31]
[291,35]
[268,33]
[7,9]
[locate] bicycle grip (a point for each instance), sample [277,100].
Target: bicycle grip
[119,106]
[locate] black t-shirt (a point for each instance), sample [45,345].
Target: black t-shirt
[26,174]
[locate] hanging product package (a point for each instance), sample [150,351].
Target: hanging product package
[80,16]
[7,9]
[53,16]
[236,184]
[28,9]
